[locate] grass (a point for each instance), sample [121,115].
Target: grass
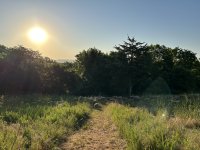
[159,123]
[150,122]
[39,122]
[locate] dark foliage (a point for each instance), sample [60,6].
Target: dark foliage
[134,68]
[25,71]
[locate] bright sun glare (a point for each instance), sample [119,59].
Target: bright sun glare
[37,35]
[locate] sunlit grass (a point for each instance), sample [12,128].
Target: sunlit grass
[39,125]
[152,122]
[158,123]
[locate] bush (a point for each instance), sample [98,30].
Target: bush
[11,117]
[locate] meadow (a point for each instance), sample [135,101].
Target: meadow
[39,122]
[147,122]
[159,122]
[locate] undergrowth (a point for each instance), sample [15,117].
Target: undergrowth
[35,125]
[143,129]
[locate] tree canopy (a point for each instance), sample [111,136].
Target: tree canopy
[133,68]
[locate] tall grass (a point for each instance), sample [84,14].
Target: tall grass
[188,107]
[185,106]
[143,129]
[38,125]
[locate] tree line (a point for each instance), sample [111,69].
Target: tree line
[133,68]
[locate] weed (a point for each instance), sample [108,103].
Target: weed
[37,124]
[143,130]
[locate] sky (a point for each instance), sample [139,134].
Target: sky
[76,25]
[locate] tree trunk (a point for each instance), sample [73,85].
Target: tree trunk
[130,87]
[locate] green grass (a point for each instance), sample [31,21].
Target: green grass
[39,122]
[155,123]
[152,122]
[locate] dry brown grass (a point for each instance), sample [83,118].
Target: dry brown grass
[192,123]
[181,122]
[191,131]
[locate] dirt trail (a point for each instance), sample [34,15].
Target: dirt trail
[100,134]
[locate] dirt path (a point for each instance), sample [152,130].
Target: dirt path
[100,134]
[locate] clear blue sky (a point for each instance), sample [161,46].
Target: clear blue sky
[75,25]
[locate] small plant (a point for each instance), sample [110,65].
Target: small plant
[27,139]
[10,117]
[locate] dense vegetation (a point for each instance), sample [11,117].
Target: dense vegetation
[134,68]
[159,123]
[147,122]
[39,122]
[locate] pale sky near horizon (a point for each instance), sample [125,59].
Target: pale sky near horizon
[75,25]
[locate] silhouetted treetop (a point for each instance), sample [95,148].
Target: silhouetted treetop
[134,68]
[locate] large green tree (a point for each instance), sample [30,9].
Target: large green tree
[134,68]
[92,68]
[178,68]
[137,64]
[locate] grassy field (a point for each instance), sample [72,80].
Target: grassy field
[39,122]
[148,122]
[159,122]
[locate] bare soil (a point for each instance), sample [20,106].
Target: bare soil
[99,134]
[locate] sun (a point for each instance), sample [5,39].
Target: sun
[37,35]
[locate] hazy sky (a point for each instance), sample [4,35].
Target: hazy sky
[75,25]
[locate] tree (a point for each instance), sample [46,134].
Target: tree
[138,60]
[20,70]
[92,68]
[131,69]
[23,70]
[178,67]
